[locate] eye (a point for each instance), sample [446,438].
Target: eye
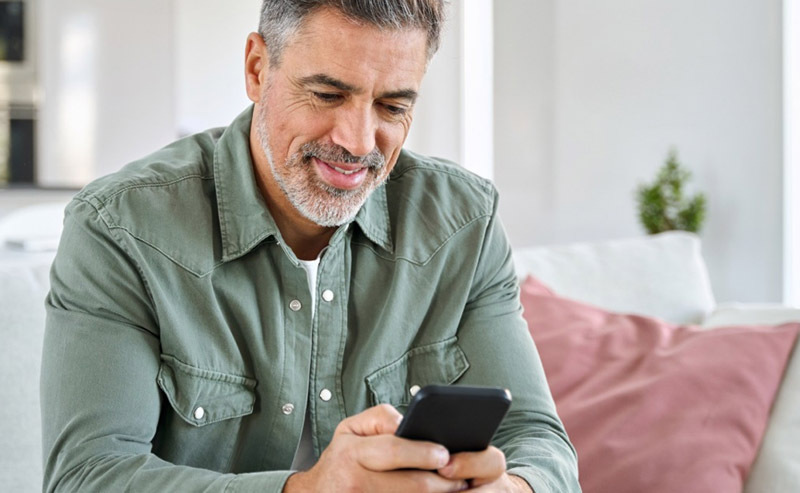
[395,110]
[327,97]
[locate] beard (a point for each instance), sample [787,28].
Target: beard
[316,200]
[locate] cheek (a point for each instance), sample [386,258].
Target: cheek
[390,138]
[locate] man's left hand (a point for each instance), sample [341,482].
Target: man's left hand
[486,471]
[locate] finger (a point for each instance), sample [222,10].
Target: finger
[388,452]
[404,481]
[483,467]
[379,420]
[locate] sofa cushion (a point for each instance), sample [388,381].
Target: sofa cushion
[35,228]
[652,406]
[660,276]
[23,286]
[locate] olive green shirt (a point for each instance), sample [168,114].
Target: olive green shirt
[181,352]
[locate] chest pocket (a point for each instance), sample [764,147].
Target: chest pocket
[441,363]
[201,397]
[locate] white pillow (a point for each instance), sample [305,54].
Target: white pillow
[661,276]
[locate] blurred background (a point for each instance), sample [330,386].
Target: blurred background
[568,105]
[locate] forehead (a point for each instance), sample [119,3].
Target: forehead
[357,53]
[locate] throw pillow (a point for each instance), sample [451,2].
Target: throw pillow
[655,407]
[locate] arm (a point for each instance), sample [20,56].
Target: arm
[495,338]
[99,398]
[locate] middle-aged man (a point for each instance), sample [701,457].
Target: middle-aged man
[248,308]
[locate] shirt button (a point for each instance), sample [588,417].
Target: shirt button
[287,408]
[413,390]
[199,413]
[295,305]
[327,295]
[325,395]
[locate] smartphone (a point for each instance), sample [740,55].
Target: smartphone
[461,418]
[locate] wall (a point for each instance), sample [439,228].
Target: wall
[590,97]
[209,61]
[107,84]
[791,132]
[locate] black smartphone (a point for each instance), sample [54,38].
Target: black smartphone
[463,419]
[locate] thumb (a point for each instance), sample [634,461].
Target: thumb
[382,419]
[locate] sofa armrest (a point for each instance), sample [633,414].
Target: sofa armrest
[751,314]
[777,466]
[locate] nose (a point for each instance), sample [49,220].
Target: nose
[355,129]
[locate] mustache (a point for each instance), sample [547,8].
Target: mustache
[338,154]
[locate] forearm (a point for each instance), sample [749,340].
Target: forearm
[148,473]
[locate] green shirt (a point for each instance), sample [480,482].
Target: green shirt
[181,352]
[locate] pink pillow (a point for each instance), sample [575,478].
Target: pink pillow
[652,407]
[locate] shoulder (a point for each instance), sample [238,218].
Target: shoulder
[162,201]
[451,187]
[190,158]
[432,201]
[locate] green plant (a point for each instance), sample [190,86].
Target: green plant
[662,205]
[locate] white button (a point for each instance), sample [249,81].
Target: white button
[414,389]
[287,408]
[199,413]
[327,295]
[325,395]
[295,305]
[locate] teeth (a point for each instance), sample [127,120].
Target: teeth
[345,172]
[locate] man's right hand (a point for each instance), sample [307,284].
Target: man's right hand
[364,455]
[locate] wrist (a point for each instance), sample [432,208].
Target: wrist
[520,484]
[298,482]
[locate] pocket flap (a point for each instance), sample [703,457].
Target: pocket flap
[203,397]
[441,363]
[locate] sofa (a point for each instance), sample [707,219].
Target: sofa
[660,276]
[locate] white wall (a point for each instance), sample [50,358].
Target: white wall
[210,38]
[107,83]
[453,117]
[791,132]
[592,96]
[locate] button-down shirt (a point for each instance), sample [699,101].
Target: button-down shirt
[181,352]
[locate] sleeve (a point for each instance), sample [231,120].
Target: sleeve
[500,350]
[99,398]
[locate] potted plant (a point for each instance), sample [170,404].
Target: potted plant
[663,204]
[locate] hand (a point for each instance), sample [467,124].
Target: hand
[364,455]
[485,471]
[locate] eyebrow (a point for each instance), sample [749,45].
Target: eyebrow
[327,80]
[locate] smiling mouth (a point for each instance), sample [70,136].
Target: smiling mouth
[344,171]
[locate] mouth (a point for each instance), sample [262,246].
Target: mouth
[344,176]
[344,171]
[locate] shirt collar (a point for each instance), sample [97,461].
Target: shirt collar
[244,218]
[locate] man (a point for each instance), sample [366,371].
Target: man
[248,308]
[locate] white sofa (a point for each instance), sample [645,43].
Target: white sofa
[664,276]
[661,276]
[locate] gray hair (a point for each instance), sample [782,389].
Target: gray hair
[280,19]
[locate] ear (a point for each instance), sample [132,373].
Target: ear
[256,66]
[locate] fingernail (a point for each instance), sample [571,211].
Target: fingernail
[447,468]
[442,456]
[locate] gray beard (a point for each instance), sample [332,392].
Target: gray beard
[317,201]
